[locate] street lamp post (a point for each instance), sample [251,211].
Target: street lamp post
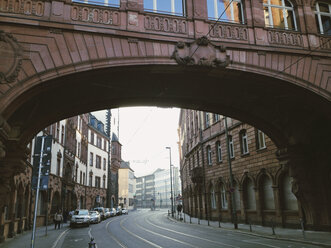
[172,199]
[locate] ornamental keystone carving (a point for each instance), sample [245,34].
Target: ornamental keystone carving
[11,58]
[201,52]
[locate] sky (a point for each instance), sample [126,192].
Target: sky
[144,133]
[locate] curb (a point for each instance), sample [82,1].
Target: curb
[258,235]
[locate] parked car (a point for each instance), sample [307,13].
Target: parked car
[101,211]
[118,210]
[125,211]
[112,212]
[107,212]
[95,217]
[80,217]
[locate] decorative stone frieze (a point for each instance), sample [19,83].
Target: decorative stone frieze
[25,7]
[285,38]
[226,31]
[325,43]
[165,24]
[201,52]
[11,54]
[95,15]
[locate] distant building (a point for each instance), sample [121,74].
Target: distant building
[126,185]
[155,189]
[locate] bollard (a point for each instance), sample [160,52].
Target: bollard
[199,221]
[168,212]
[190,219]
[91,244]
[250,226]
[219,221]
[273,227]
[303,228]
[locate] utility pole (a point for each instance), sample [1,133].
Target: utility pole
[172,198]
[234,211]
[109,183]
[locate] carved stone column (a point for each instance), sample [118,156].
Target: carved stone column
[311,185]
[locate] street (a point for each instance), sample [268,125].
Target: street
[145,228]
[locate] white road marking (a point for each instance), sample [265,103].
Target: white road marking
[113,237]
[138,237]
[58,238]
[254,242]
[191,236]
[176,240]
[89,233]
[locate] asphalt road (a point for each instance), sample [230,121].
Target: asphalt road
[145,228]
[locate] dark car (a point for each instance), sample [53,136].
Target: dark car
[101,211]
[118,210]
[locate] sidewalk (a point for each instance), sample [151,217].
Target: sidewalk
[322,239]
[41,240]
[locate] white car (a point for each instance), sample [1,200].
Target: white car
[125,211]
[80,217]
[95,217]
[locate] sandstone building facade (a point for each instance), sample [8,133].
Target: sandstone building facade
[262,187]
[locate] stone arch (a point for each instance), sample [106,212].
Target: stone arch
[56,202]
[265,184]
[249,187]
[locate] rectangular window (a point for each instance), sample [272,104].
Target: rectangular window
[91,179]
[99,142]
[207,121]
[173,7]
[92,138]
[83,178]
[260,140]
[105,145]
[111,3]
[80,177]
[209,158]
[244,142]
[91,158]
[231,147]
[62,135]
[98,162]
[219,151]
[104,164]
[97,182]
[225,10]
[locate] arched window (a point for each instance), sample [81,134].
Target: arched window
[219,151]
[172,7]
[249,194]
[231,11]
[279,14]
[224,201]
[289,199]
[209,158]
[267,193]
[260,139]
[212,198]
[236,195]
[323,17]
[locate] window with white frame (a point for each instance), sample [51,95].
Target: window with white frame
[104,164]
[279,14]
[216,117]
[323,17]
[207,120]
[212,198]
[231,147]
[112,3]
[209,159]
[91,158]
[260,139]
[225,10]
[172,7]
[244,142]
[219,151]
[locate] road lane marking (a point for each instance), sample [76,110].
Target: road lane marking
[138,237]
[113,237]
[90,234]
[176,240]
[58,238]
[188,235]
[254,242]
